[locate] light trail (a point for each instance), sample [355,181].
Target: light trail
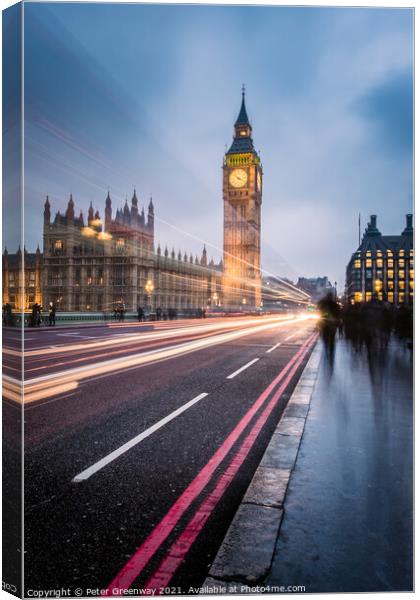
[143,336]
[45,386]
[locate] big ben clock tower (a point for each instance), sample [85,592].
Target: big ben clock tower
[242,197]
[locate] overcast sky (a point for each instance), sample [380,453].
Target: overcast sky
[124,95]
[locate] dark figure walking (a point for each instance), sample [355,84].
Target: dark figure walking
[140,314]
[51,314]
[158,313]
[330,319]
[33,319]
[8,318]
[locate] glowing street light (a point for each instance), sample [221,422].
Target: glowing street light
[149,287]
[88,231]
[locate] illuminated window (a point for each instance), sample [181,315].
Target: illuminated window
[368,296]
[368,262]
[411,262]
[401,297]
[357,263]
[401,285]
[389,253]
[379,253]
[401,274]
[411,274]
[401,262]
[378,285]
[401,253]
[380,296]
[358,296]
[411,252]
[368,253]
[390,263]
[89,280]
[390,285]
[411,285]
[58,245]
[390,297]
[120,242]
[379,262]
[390,274]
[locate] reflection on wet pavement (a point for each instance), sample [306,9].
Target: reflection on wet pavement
[348,517]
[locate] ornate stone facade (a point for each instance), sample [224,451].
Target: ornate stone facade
[16,294]
[96,265]
[242,196]
[382,268]
[86,268]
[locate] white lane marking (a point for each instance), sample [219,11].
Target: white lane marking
[289,337]
[273,348]
[136,440]
[251,362]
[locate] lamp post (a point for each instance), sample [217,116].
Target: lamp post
[149,287]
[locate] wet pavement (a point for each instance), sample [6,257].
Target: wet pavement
[348,521]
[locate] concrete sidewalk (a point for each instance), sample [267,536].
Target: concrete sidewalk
[330,507]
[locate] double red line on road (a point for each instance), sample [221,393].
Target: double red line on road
[180,548]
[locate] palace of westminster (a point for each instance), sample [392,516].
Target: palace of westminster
[93,265]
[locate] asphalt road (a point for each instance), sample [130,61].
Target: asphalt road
[137,434]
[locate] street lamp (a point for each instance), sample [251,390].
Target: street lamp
[149,287]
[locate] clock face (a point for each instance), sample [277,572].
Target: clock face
[259,181]
[238,178]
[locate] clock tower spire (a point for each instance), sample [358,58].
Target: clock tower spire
[242,198]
